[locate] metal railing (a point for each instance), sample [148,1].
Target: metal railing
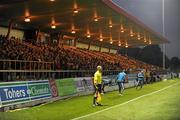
[25,65]
[19,70]
[23,75]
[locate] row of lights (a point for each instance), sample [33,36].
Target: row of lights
[75,11]
[53,26]
[27,19]
[126,45]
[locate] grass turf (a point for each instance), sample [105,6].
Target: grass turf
[164,105]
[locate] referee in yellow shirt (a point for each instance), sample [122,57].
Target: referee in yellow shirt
[97,85]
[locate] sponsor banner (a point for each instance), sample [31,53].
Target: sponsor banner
[66,86]
[54,90]
[79,85]
[84,84]
[39,89]
[21,92]
[13,93]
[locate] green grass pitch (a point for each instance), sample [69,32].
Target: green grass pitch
[162,105]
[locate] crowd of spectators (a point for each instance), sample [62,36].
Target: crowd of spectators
[65,58]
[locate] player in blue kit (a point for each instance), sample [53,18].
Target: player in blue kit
[140,79]
[121,77]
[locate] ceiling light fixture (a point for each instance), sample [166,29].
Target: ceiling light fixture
[119,43]
[95,16]
[131,32]
[122,28]
[53,26]
[126,45]
[27,19]
[75,7]
[75,10]
[88,35]
[145,39]
[150,43]
[101,38]
[110,22]
[110,25]
[95,19]
[131,35]
[73,31]
[139,37]
[111,40]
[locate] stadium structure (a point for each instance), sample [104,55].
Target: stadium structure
[49,51]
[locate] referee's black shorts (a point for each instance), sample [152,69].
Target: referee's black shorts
[97,88]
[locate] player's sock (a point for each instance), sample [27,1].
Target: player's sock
[94,100]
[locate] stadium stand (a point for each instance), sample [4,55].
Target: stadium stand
[65,58]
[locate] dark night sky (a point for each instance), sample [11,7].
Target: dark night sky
[150,13]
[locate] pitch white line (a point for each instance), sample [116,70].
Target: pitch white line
[125,102]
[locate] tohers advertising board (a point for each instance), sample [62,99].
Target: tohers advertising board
[21,92]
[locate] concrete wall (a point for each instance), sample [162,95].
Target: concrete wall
[94,47]
[81,45]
